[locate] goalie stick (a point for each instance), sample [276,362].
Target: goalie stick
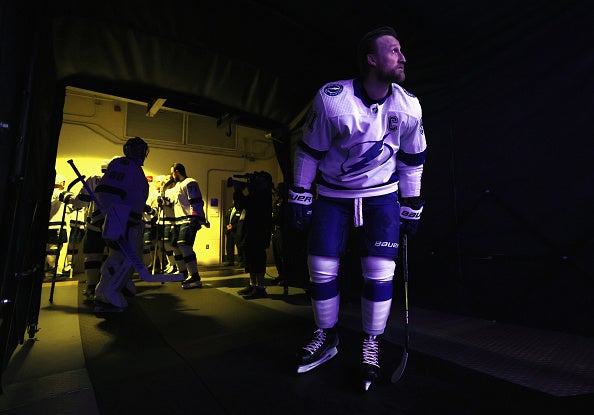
[126,248]
[399,371]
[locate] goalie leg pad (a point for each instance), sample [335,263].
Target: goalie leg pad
[116,221]
[114,273]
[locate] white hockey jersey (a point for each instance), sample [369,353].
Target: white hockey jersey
[56,211]
[354,147]
[187,200]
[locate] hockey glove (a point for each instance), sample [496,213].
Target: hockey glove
[196,223]
[300,207]
[410,214]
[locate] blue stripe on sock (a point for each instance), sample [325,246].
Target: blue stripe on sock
[377,290]
[324,291]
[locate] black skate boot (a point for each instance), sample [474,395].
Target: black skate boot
[370,368]
[319,350]
[192,282]
[247,290]
[257,292]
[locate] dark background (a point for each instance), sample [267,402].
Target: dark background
[507,90]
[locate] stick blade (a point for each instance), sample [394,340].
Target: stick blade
[148,277]
[399,371]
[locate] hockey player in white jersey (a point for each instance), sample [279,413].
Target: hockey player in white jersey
[149,218]
[57,234]
[167,219]
[122,193]
[155,201]
[364,147]
[189,218]
[94,246]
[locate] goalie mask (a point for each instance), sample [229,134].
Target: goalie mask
[136,149]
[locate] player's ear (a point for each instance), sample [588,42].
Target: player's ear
[371,59]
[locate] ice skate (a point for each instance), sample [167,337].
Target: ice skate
[319,350]
[246,291]
[89,293]
[370,368]
[109,300]
[256,292]
[106,310]
[192,282]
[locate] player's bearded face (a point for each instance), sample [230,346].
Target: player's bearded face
[390,60]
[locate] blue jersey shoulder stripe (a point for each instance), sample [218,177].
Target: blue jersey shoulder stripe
[316,154]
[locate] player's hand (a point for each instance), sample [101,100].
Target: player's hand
[410,214]
[300,207]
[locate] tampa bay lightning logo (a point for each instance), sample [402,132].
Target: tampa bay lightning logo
[366,156]
[333,90]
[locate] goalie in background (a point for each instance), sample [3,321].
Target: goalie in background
[122,192]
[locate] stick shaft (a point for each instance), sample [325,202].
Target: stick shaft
[399,371]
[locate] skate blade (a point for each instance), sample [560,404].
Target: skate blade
[329,355]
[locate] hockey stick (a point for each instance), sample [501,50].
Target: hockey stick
[156,240]
[74,248]
[397,375]
[51,297]
[126,248]
[69,188]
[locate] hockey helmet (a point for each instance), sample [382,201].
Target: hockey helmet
[136,148]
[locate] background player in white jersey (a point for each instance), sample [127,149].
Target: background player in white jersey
[189,217]
[155,201]
[167,219]
[364,147]
[150,223]
[122,192]
[57,234]
[94,246]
